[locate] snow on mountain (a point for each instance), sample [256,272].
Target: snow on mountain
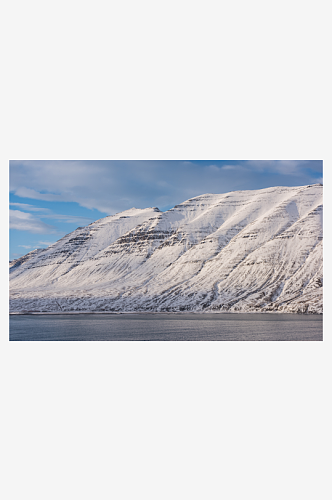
[244,251]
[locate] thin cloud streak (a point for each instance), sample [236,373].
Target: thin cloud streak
[67,218]
[29,208]
[17,215]
[23,221]
[46,243]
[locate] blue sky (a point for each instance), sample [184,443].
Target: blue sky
[49,199]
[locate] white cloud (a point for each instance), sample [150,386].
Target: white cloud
[26,222]
[49,215]
[286,167]
[46,243]
[68,218]
[25,246]
[30,208]
[230,167]
[25,192]
[16,255]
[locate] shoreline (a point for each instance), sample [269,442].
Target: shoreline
[178,313]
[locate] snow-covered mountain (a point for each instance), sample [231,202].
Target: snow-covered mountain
[241,251]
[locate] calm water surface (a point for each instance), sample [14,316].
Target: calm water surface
[166,327]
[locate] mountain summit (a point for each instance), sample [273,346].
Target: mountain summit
[243,251]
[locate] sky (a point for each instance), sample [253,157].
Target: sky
[49,199]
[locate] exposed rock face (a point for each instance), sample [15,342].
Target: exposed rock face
[242,251]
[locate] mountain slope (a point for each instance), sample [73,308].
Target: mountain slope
[240,251]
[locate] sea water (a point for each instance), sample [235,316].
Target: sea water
[160,326]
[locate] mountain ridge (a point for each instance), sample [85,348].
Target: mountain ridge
[242,251]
